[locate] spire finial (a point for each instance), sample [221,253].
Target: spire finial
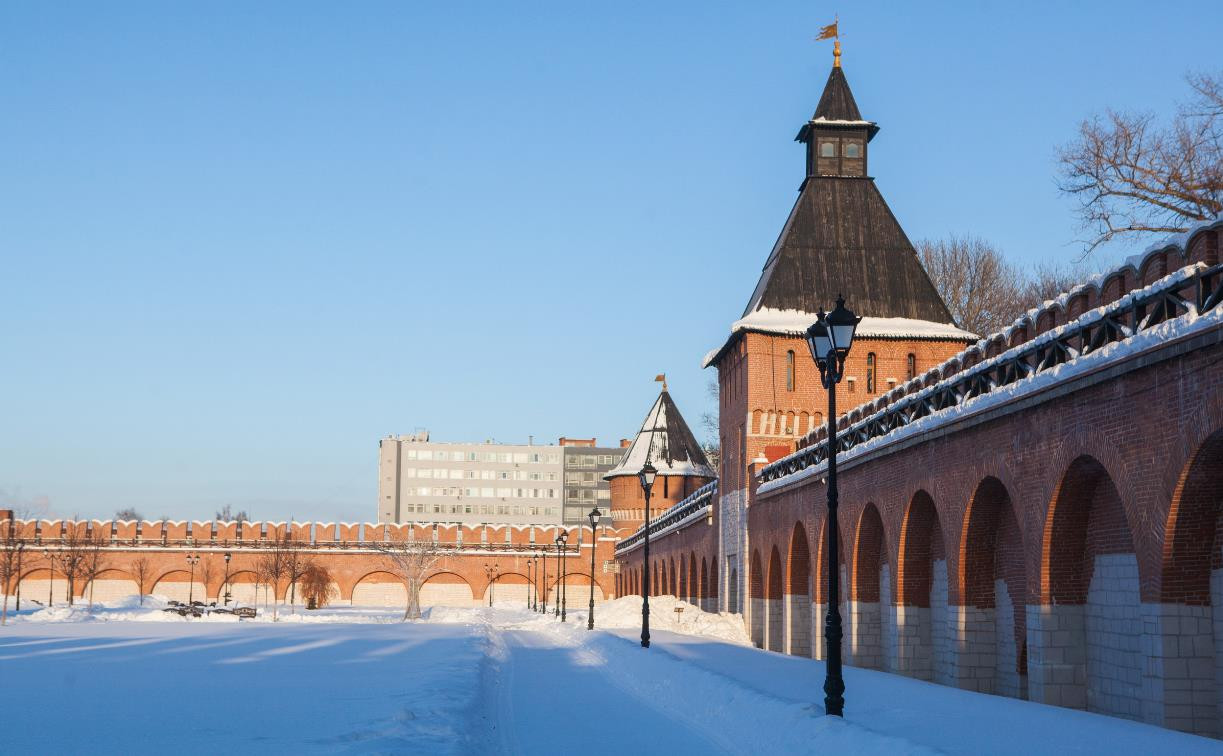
[662,377]
[836,54]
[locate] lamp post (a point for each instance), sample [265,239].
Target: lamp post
[528,585]
[192,559]
[829,340]
[646,476]
[560,571]
[20,549]
[533,584]
[488,575]
[227,557]
[594,516]
[51,582]
[543,608]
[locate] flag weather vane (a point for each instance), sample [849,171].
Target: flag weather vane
[830,32]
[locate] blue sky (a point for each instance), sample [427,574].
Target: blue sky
[239,243]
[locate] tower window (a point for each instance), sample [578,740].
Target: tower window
[912,366]
[828,149]
[870,373]
[853,149]
[790,370]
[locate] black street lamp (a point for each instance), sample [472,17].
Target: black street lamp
[20,549]
[192,559]
[543,609]
[227,557]
[488,574]
[561,543]
[51,582]
[529,582]
[646,476]
[594,516]
[829,340]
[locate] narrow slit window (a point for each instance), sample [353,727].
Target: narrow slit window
[790,370]
[911,367]
[870,373]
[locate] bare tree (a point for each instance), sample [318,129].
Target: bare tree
[296,563]
[9,557]
[208,571]
[94,562]
[271,568]
[1133,175]
[73,555]
[141,568]
[413,562]
[982,290]
[227,514]
[709,423]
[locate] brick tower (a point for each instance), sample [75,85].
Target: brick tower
[840,238]
[666,441]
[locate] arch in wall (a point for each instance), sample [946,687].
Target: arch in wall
[446,589]
[756,605]
[871,588]
[923,645]
[705,585]
[380,588]
[820,586]
[244,589]
[775,626]
[1191,587]
[577,590]
[682,590]
[508,589]
[110,587]
[694,591]
[40,584]
[176,585]
[672,578]
[993,590]
[1089,592]
[798,592]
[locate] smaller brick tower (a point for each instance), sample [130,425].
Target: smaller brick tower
[666,441]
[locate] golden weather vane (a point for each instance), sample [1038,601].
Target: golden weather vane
[830,32]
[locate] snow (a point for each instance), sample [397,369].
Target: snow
[123,680]
[796,322]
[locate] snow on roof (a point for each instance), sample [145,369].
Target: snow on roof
[822,121]
[666,442]
[796,323]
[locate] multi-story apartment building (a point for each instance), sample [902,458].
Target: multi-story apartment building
[585,488]
[423,480]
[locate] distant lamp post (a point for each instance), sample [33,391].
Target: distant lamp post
[51,581]
[646,476]
[562,543]
[192,559]
[594,517]
[227,558]
[829,340]
[543,608]
[529,565]
[20,549]
[488,574]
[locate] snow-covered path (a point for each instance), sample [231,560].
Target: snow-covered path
[553,693]
[479,681]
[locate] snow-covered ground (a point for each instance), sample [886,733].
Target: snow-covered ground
[129,679]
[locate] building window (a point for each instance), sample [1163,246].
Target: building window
[853,150]
[790,370]
[911,366]
[870,373]
[828,149]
